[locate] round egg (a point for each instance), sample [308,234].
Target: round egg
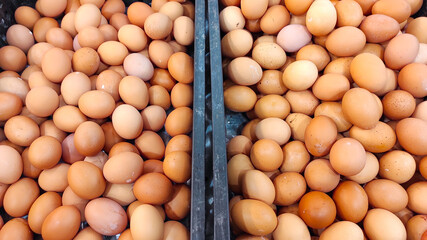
[153,188]
[256,185]
[321,18]
[291,226]
[183,30]
[351,201]
[290,187]
[342,229]
[42,206]
[105,216]
[319,136]
[273,128]
[274,19]
[239,98]
[21,130]
[136,64]
[231,18]
[411,79]
[44,152]
[181,67]
[389,221]
[64,221]
[253,10]
[89,138]
[127,121]
[86,180]
[236,167]
[179,205]
[295,157]
[177,166]
[380,138]
[347,156]
[56,64]
[378,194]
[302,101]
[410,134]
[389,28]
[179,121]
[12,59]
[416,193]
[298,123]
[19,197]
[122,168]
[20,36]
[266,155]
[293,37]
[110,57]
[16,228]
[345,41]
[398,104]
[272,106]
[150,145]
[26,16]
[159,52]
[146,222]
[96,104]
[317,209]
[55,178]
[320,176]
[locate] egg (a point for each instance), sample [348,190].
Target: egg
[179,121]
[136,64]
[11,105]
[96,104]
[410,79]
[254,217]
[317,209]
[179,205]
[12,59]
[16,228]
[236,43]
[401,170]
[45,152]
[183,30]
[302,101]
[320,176]
[67,24]
[26,16]
[331,87]
[295,157]
[380,138]
[266,155]
[253,9]
[394,49]
[29,170]
[127,121]
[340,66]
[389,221]
[236,167]
[20,36]
[150,145]
[68,118]
[159,52]
[231,18]
[60,38]
[293,37]
[274,19]
[422,166]
[41,26]
[43,205]
[118,20]
[246,77]
[123,168]
[399,10]
[89,139]
[410,132]
[146,191]
[110,33]
[354,154]
[398,104]
[133,37]
[115,57]
[38,79]
[298,7]
[21,130]
[349,13]
[365,117]
[271,83]
[314,53]
[272,106]
[376,190]
[239,98]
[158,26]
[389,28]
[64,221]
[181,67]
[70,198]
[175,230]
[342,229]
[290,187]
[177,166]
[87,15]
[416,192]
[319,136]
[345,41]
[55,178]
[321,18]
[256,185]
[163,78]
[98,160]
[105,216]
[416,226]
[86,180]
[291,226]
[88,233]
[138,13]
[36,52]
[415,28]
[19,197]
[146,223]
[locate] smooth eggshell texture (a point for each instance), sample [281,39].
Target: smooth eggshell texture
[146,223]
[380,138]
[86,180]
[317,209]
[64,221]
[16,228]
[351,201]
[106,216]
[345,41]
[293,37]
[343,229]
[321,18]
[379,190]
[368,71]
[20,196]
[417,192]
[411,134]
[319,136]
[391,226]
[401,50]
[379,28]
[361,108]
[124,167]
[256,185]
[347,156]
[127,121]
[11,165]
[290,226]
[320,176]
[43,205]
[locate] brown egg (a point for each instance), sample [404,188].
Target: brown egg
[317,209]
[345,41]
[89,139]
[239,98]
[410,134]
[20,196]
[302,101]
[236,167]
[406,55]
[320,134]
[56,64]
[380,138]
[266,155]
[110,33]
[44,152]
[252,10]
[416,226]
[158,95]
[297,80]
[151,145]
[112,57]
[105,216]
[389,221]
[397,9]
[41,26]
[59,38]
[160,52]
[70,198]
[86,180]
[295,157]
[275,18]
[38,79]
[88,233]
[96,104]
[398,104]
[422,166]
[153,165]
[182,143]
[256,185]
[21,130]
[153,188]
[74,86]
[91,37]
[146,221]
[290,187]
[417,192]
[29,170]
[331,87]
[109,80]
[179,121]
[87,15]
[111,136]
[340,66]
[26,16]
[175,230]
[341,230]
[37,51]
[179,205]
[55,178]
[98,160]
[42,101]
[16,228]
[298,7]
[122,147]
[120,193]
[379,195]
[347,156]
[183,30]
[238,144]
[398,166]
[111,7]
[163,78]
[123,168]
[365,68]
[321,18]
[374,34]
[351,201]
[236,43]
[153,118]
[374,48]
[361,108]
[11,74]
[272,106]
[320,176]
[181,67]
[271,83]
[231,18]
[182,95]
[415,27]
[41,208]
[20,36]
[134,91]
[64,220]
[12,59]
[10,105]
[254,217]
[136,64]
[67,24]
[349,13]
[172,9]
[273,128]
[177,166]
[127,121]
[298,123]
[118,20]
[68,118]
[411,79]
[158,25]
[138,13]
[314,53]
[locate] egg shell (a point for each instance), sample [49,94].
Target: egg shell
[351,201]
[395,228]
[349,13]
[365,117]
[177,166]
[110,33]
[20,196]
[342,229]
[410,134]
[320,176]
[64,220]
[298,7]
[89,139]
[44,152]
[256,185]
[69,151]
[41,27]
[54,179]
[105,216]
[150,145]
[120,193]
[290,187]
[127,121]
[366,67]
[158,26]
[239,98]
[416,27]
[236,167]
[330,87]
[21,130]
[231,18]
[340,66]
[133,37]
[271,83]
[272,106]
[345,41]
[182,95]
[266,155]
[110,57]
[397,9]
[48,128]
[163,78]
[179,121]
[86,180]
[136,64]
[12,165]
[87,15]
[295,157]
[179,205]
[70,198]
[254,217]
[68,118]
[16,228]
[134,91]
[378,139]
[56,64]
[29,170]
[395,48]
[183,30]
[176,230]
[67,24]
[96,104]
[347,156]
[153,188]
[314,53]
[401,170]
[416,192]
[146,223]
[43,205]
[302,101]
[398,104]
[60,38]
[293,37]
[274,19]
[319,136]
[123,168]
[236,43]
[377,191]
[292,227]
[321,18]
[253,9]
[181,67]
[20,36]
[159,52]
[153,118]
[416,226]
[88,233]
[375,34]
[26,16]
[42,101]
[317,209]
[98,160]
[411,78]
[36,52]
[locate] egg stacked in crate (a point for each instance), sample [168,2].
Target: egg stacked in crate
[333,145]
[95,115]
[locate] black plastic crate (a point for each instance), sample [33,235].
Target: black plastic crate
[195,221]
[226,124]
